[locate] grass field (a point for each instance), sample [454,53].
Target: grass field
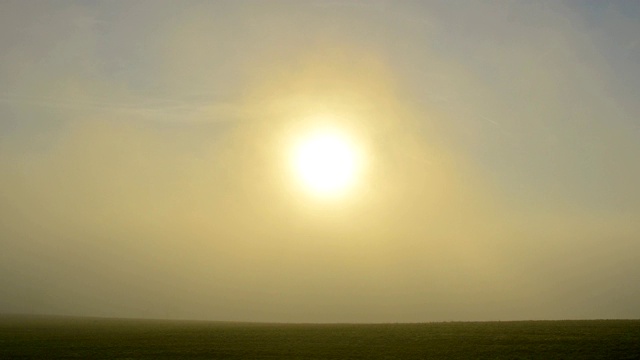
[60,337]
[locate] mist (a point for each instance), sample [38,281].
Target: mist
[143,168]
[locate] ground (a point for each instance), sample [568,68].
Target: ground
[68,338]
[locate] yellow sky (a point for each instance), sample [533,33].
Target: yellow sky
[145,160]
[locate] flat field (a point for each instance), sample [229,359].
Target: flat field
[24,337]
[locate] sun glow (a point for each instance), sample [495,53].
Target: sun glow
[326,162]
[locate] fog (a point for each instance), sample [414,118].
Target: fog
[144,147]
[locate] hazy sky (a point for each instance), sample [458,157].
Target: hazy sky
[143,149]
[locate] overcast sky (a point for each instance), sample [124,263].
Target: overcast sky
[142,171]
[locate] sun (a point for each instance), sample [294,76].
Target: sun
[326,162]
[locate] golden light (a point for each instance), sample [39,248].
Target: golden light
[326,162]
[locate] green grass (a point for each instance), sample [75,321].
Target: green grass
[59,337]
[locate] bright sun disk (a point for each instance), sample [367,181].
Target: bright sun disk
[326,162]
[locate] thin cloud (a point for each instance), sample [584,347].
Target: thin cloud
[162,110]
